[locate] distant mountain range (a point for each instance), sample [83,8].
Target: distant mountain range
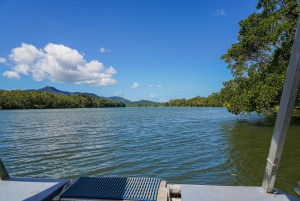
[56,91]
[114,98]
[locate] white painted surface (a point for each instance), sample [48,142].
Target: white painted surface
[28,189]
[231,193]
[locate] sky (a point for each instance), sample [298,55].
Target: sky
[136,49]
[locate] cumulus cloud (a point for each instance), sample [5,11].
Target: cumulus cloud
[102,50]
[153,95]
[111,70]
[150,85]
[135,85]
[58,63]
[159,86]
[11,75]
[118,93]
[219,12]
[2,60]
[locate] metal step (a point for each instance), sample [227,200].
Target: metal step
[114,188]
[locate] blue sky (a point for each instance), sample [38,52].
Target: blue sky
[137,49]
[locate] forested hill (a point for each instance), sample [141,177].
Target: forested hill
[53,90]
[50,97]
[143,103]
[57,91]
[119,99]
[19,99]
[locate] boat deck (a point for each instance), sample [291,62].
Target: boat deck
[205,192]
[29,189]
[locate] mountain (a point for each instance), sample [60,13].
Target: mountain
[128,102]
[120,99]
[143,102]
[56,91]
[113,98]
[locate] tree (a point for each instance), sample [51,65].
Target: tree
[258,62]
[18,99]
[213,100]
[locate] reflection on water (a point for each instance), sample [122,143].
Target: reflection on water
[250,141]
[180,145]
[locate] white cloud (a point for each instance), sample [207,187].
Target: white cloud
[219,12]
[2,60]
[102,50]
[118,93]
[158,86]
[111,70]
[59,63]
[135,85]
[153,95]
[11,75]
[26,54]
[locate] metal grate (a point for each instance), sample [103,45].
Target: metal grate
[114,188]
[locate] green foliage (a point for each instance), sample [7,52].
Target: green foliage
[19,99]
[258,62]
[214,100]
[120,99]
[142,103]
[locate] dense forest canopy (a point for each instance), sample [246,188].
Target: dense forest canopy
[214,100]
[18,99]
[259,61]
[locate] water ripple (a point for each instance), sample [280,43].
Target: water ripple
[181,145]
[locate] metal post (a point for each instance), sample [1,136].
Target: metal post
[3,172]
[287,102]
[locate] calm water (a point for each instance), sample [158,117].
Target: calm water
[180,145]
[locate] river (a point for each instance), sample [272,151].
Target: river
[181,145]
